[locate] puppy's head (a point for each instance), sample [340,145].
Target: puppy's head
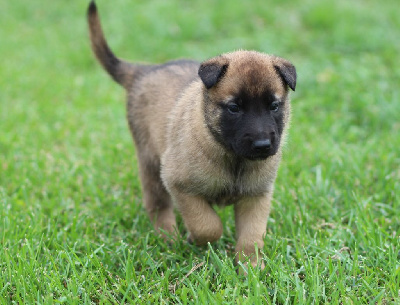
[246,103]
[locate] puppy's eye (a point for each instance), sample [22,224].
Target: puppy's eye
[233,108]
[274,106]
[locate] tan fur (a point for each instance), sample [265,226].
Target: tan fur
[180,162]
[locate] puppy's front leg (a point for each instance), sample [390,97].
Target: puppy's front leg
[251,215]
[202,222]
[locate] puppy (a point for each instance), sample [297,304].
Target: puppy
[206,133]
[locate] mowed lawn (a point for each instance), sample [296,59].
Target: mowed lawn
[72,226]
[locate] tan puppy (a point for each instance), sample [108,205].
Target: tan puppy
[205,134]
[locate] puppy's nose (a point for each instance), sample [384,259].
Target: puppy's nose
[261,145]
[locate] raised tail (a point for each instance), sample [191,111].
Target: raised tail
[121,71]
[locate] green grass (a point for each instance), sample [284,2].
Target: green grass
[72,226]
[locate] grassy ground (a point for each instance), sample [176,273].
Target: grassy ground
[72,228]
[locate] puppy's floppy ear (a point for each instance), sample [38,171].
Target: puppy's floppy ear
[212,70]
[287,72]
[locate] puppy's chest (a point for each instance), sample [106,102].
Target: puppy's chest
[225,197]
[227,188]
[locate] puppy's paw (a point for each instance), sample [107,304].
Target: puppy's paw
[243,268]
[190,239]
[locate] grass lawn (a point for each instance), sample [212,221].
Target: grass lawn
[72,226]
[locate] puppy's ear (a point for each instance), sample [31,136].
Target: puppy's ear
[212,70]
[287,72]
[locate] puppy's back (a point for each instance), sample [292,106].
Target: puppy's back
[152,97]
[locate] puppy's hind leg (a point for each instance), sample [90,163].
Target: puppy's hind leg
[156,199]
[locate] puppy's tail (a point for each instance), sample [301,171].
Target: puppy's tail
[121,71]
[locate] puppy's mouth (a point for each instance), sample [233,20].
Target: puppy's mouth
[260,156]
[255,155]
